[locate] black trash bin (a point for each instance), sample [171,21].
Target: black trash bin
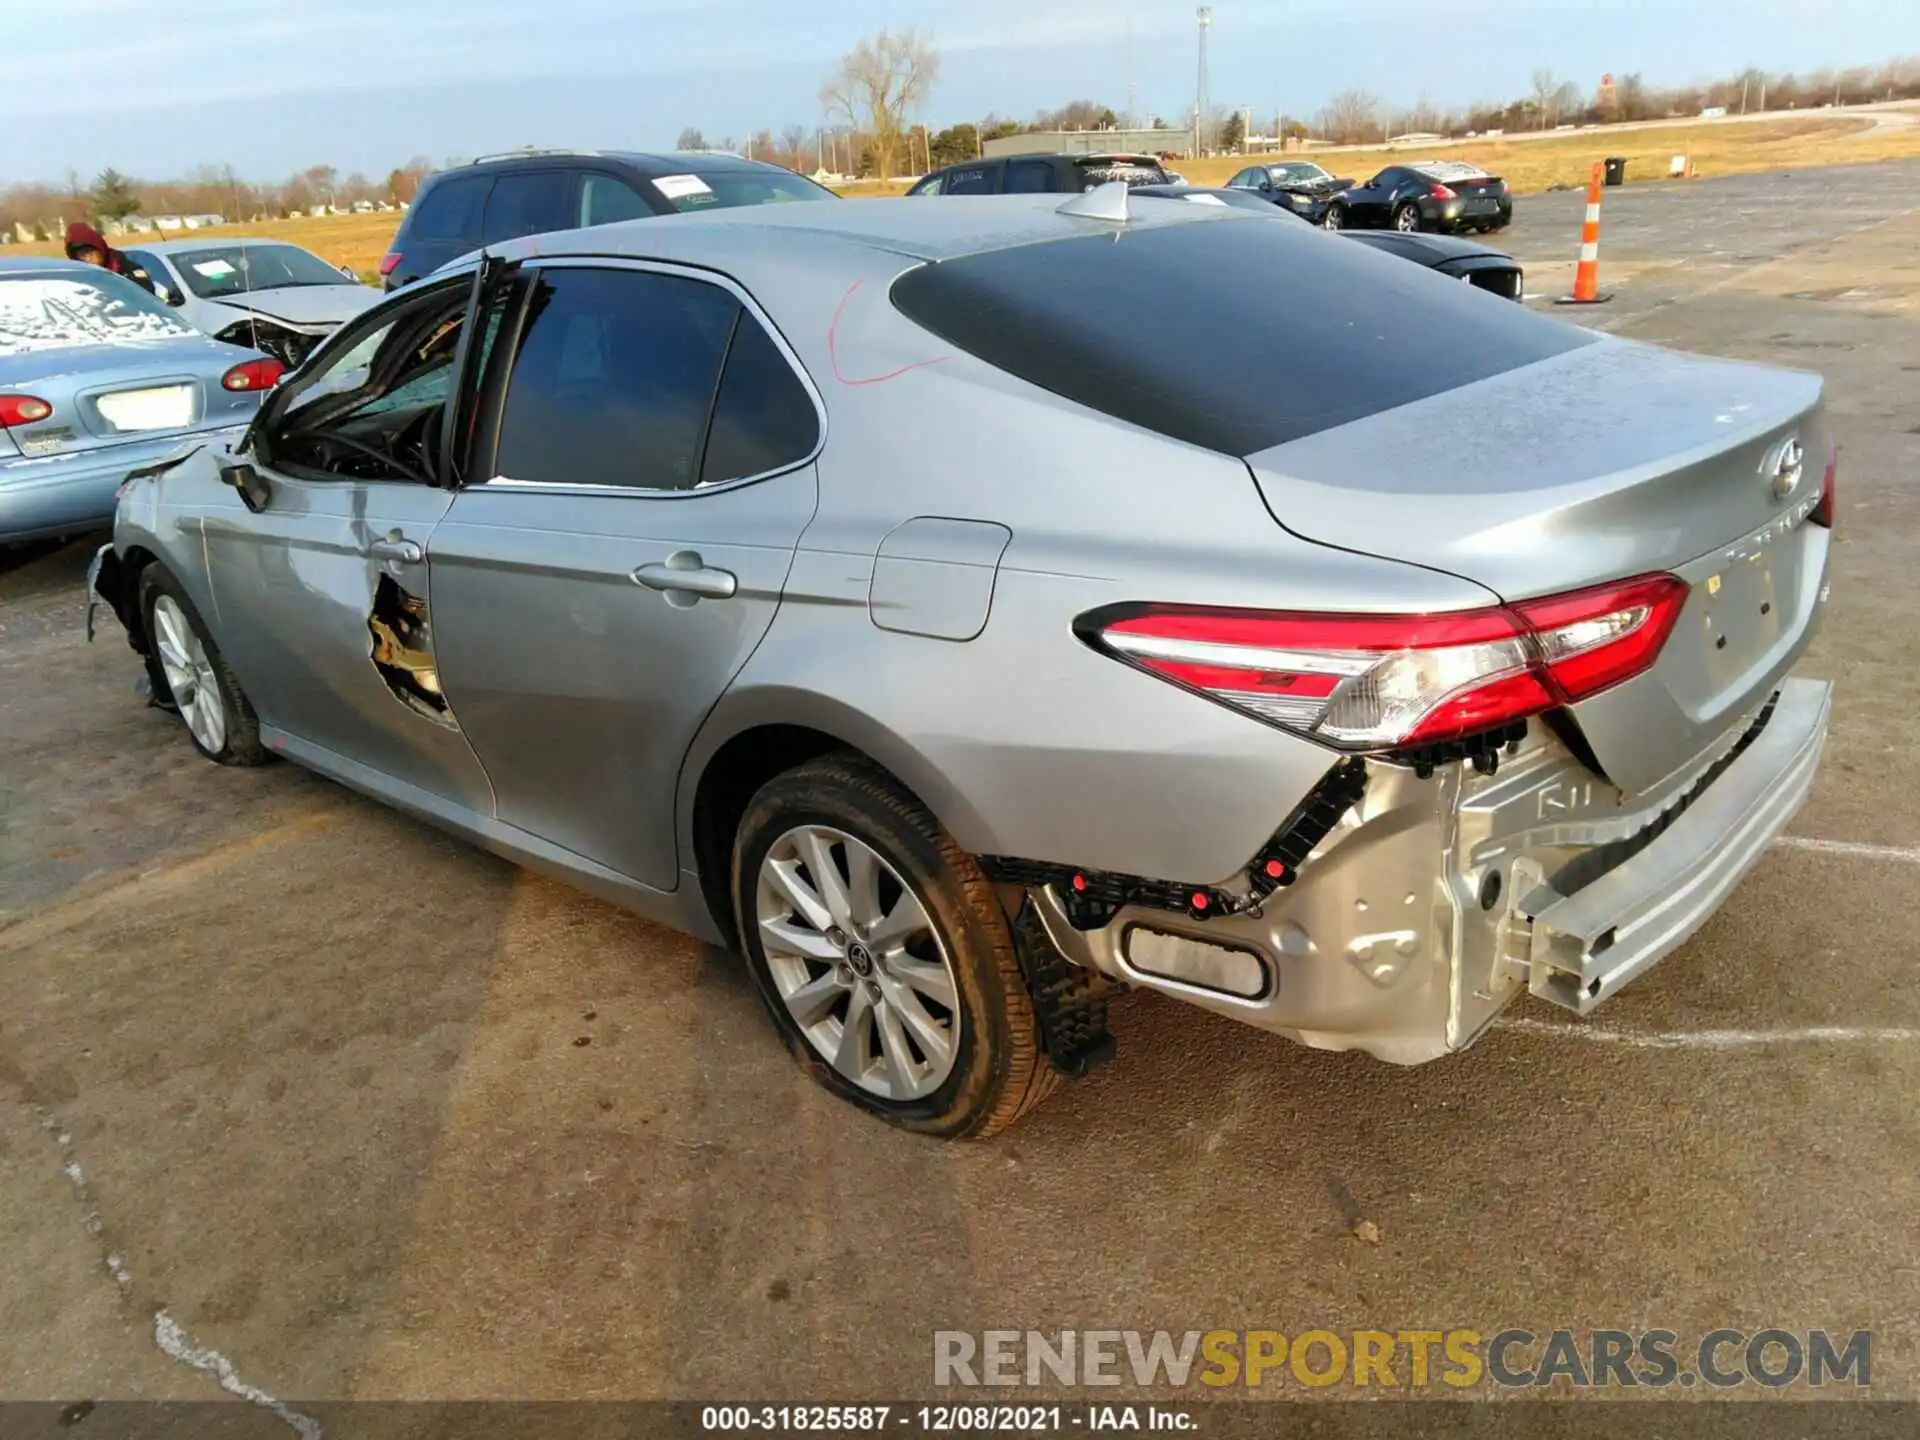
[1616,170]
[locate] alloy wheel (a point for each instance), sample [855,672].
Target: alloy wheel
[190,675]
[857,962]
[1407,219]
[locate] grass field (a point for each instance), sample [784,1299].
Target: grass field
[1717,148]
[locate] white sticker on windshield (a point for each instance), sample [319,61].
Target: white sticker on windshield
[213,269]
[678,187]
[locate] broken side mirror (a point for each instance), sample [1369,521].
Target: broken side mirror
[255,493]
[172,296]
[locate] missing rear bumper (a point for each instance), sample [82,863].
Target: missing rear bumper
[1582,947]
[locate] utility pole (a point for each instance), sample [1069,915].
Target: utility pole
[1204,15]
[1131,120]
[1743,94]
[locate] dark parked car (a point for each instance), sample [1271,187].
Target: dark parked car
[1041,174]
[1433,195]
[1469,260]
[1300,186]
[503,197]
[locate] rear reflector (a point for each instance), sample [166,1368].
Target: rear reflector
[22,410]
[253,375]
[1822,512]
[1380,682]
[388,261]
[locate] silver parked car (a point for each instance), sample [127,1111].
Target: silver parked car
[264,294]
[97,378]
[1350,653]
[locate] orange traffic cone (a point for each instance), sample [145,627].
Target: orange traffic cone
[1586,279]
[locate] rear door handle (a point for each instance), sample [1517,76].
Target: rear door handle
[397,547]
[684,573]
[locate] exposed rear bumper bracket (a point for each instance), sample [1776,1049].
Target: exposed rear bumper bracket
[1586,945]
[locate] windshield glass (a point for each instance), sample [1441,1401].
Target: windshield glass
[60,311]
[221,271]
[723,189]
[1296,172]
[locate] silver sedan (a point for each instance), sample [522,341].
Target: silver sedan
[969,610]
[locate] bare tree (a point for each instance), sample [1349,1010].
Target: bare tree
[691,139]
[1630,97]
[1351,117]
[1566,101]
[878,84]
[1545,86]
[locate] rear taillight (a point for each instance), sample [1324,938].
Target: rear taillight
[1377,682]
[22,410]
[388,262]
[1443,192]
[1822,512]
[253,375]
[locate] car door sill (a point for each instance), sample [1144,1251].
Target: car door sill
[667,907]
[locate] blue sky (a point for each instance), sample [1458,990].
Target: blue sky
[157,87]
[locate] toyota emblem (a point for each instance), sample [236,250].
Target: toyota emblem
[1786,470]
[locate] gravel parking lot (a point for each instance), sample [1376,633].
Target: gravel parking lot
[361,1112]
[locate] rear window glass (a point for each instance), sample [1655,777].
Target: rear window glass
[449,210]
[1256,334]
[54,312]
[1103,170]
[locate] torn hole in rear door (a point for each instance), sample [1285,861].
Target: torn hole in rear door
[402,651]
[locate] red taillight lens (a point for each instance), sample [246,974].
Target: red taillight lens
[22,410]
[1822,512]
[1443,192]
[388,262]
[253,375]
[1373,682]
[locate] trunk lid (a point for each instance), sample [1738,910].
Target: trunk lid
[104,396]
[1611,460]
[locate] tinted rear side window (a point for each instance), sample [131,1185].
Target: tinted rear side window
[764,419]
[531,203]
[1029,177]
[1258,333]
[973,180]
[450,209]
[614,379]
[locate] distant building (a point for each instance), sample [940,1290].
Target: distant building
[1094,142]
[169,222]
[1605,96]
[203,222]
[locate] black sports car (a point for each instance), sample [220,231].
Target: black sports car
[1297,185]
[1469,260]
[1432,195]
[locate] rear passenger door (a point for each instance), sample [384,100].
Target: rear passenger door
[644,459]
[532,203]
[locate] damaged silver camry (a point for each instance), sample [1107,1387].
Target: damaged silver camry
[1346,651]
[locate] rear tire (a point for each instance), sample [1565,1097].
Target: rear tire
[904,942]
[183,657]
[1406,218]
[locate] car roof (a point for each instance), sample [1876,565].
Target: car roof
[40,264]
[954,226]
[205,239]
[650,164]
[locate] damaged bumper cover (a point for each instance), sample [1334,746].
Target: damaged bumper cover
[1584,946]
[1433,903]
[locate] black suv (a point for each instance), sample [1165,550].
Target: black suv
[502,197]
[1041,175]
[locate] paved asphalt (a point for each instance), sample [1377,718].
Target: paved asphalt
[359,1112]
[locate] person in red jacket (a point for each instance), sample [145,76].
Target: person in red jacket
[88,244]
